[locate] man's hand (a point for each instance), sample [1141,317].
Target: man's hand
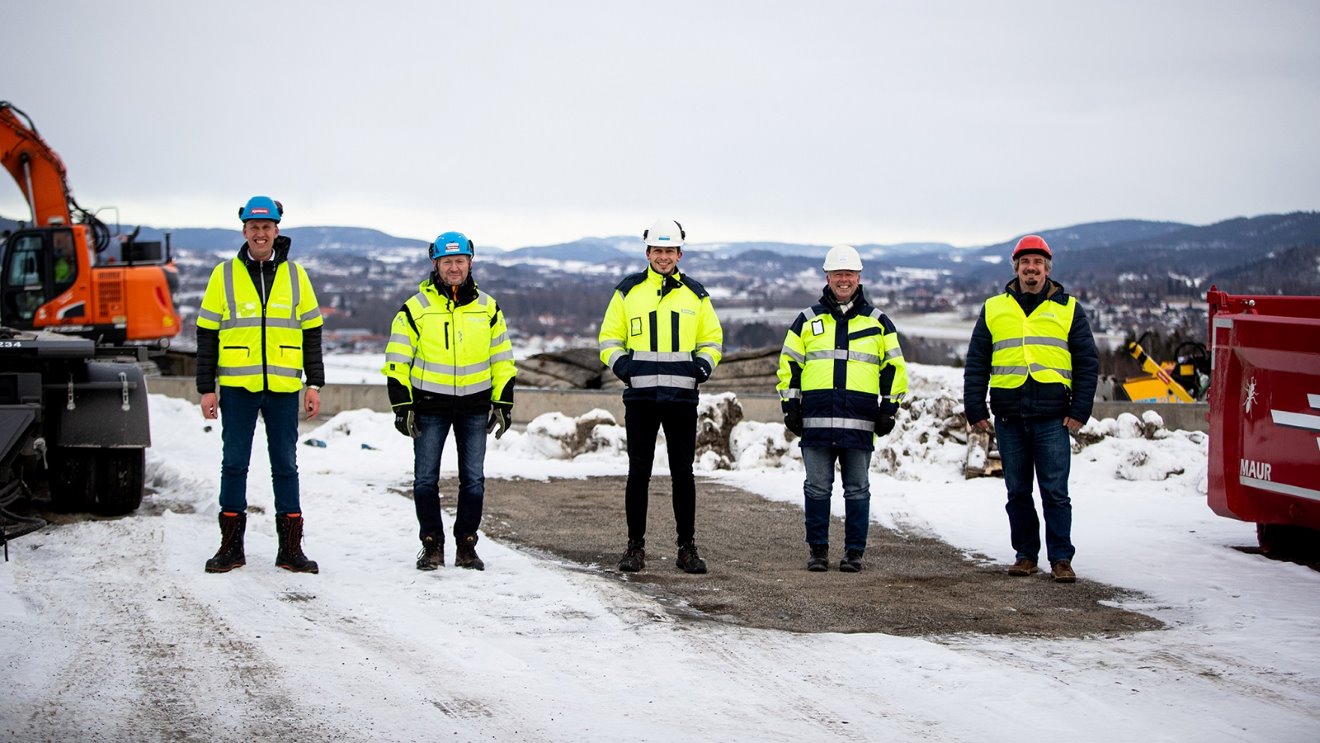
[884,423]
[500,417]
[703,371]
[312,402]
[982,425]
[793,420]
[1072,424]
[210,406]
[404,422]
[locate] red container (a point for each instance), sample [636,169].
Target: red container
[1265,410]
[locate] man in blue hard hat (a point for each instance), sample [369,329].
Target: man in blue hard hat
[449,365]
[258,332]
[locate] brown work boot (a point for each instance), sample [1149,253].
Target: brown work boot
[1023,567]
[1063,572]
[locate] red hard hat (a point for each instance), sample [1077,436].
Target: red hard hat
[1032,244]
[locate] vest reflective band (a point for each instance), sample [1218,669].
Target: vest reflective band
[260,347]
[1035,345]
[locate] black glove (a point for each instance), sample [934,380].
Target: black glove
[793,419]
[404,422]
[884,423]
[500,415]
[703,370]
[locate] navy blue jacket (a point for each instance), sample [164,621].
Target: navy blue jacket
[1033,399]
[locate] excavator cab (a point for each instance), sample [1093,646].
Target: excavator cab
[34,273]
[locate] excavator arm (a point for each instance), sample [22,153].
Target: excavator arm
[38,171]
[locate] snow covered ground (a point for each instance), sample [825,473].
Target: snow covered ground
[110,629]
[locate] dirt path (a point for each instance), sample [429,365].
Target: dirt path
[912,585]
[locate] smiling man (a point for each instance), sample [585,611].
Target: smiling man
[661,337]
[258,331]
[1033,348]
[841,379]
[449,366]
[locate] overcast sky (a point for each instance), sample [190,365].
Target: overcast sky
[525,123]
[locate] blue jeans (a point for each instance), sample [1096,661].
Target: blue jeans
[854,465]
[470,436]
[1040,446]
[238,422]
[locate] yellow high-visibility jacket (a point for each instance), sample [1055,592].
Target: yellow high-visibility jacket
[261,343]
[843,371]
[661,336]
[450,353]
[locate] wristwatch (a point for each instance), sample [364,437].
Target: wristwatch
[316,387]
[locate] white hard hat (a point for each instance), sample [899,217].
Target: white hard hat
[665,233]
[843,258]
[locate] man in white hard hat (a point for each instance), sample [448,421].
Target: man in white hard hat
[1033,349]
[661,337]
[841,378]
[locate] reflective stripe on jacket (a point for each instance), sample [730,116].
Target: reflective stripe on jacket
[655,330]
[843,371]
[261,338]
[456,352]
[1035,344]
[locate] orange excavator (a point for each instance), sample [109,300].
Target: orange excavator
[65,271]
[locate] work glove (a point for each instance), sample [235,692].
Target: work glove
[884,423]
[793,418]
[501,415]
[404,421]
[703,370]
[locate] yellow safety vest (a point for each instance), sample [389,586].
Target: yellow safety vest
[1035,345]
[260,345]
[454,350]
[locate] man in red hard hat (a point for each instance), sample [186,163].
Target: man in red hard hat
[1033,348]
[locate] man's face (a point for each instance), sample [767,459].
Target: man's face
[1032,270]
[260,235]
[453,269]
[664,260]
[843,283]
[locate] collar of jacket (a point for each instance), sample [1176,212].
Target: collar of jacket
[280,254]
[831,302]
[667,283]
[1053,290]
[460,295]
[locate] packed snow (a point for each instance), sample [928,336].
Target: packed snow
[111,630]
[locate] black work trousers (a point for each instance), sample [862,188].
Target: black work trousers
[642,420]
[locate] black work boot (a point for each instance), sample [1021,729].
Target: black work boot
[432,555]
[634,559]
[851,562]
[466,555]
[230,554]
[688,560]
[289,528]
[819,562]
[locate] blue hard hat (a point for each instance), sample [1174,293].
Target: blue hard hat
[452,243]
[261,207]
